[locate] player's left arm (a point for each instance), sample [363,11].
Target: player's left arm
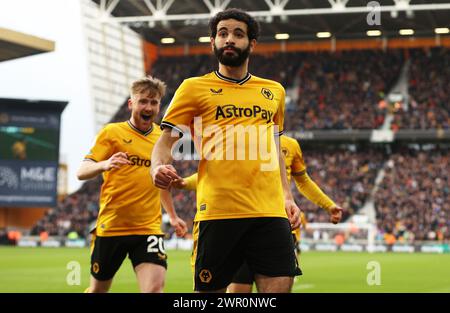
[175,221]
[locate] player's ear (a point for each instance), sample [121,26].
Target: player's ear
[130,104]
[252,44]
[212,43]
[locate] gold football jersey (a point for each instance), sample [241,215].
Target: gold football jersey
[129,202]
[238,174]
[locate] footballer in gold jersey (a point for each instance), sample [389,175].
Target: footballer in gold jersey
[235,119]
[129,219]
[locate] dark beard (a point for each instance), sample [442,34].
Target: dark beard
[233,61]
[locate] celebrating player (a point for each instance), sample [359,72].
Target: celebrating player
[245,209]
[129,220]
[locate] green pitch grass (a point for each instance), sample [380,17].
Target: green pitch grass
[45,270]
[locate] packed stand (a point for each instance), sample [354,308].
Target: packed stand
[413,201]
[343,90]
[429,85]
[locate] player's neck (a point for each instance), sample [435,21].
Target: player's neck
[237,73]
[142,127]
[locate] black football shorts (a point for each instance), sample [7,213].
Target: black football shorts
[108,253]
[222,246]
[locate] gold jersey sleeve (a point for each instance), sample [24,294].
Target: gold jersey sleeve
[191,182]
[309,189]
[279,115]
[296,167]
[129,202]
[225,116]
[293,156]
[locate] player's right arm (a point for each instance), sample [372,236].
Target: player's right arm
[102,156]
[163,173]
[178,117]
[90,169]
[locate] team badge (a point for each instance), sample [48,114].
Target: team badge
[267,93]
[205,276]
[216,91]
[95,268]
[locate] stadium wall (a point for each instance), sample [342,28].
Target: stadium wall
[21,217]
[115,59]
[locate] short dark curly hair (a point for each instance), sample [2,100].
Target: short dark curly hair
[239,15]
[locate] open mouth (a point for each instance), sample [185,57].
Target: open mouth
[146,117]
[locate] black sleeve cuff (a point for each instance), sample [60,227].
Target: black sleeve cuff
[165,124]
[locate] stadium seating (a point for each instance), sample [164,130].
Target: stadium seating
[429,83]
[413,201]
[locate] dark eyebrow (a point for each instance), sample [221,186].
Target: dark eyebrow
[236,29]
[239,29]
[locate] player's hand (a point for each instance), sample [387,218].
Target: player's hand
[179,225]
[336,214]
[179,183]
[293,213]
[116,161]
[164,175]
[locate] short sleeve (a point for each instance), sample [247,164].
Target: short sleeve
[182,109]
[298,163]
[102,148]
[279,115]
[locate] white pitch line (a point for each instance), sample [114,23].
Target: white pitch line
[303,286]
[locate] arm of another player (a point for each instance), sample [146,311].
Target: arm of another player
[175,221]
[187,183]
[163,173]
[309,189]
[90,169]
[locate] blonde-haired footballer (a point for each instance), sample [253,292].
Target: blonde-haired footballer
[295,168]
[129,220]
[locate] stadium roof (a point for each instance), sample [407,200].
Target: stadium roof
[302,19]
[15,45]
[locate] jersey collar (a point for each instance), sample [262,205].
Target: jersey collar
[232,80]
[138,130]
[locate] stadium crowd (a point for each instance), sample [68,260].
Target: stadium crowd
[342,90]
[413,201]
[429,83]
